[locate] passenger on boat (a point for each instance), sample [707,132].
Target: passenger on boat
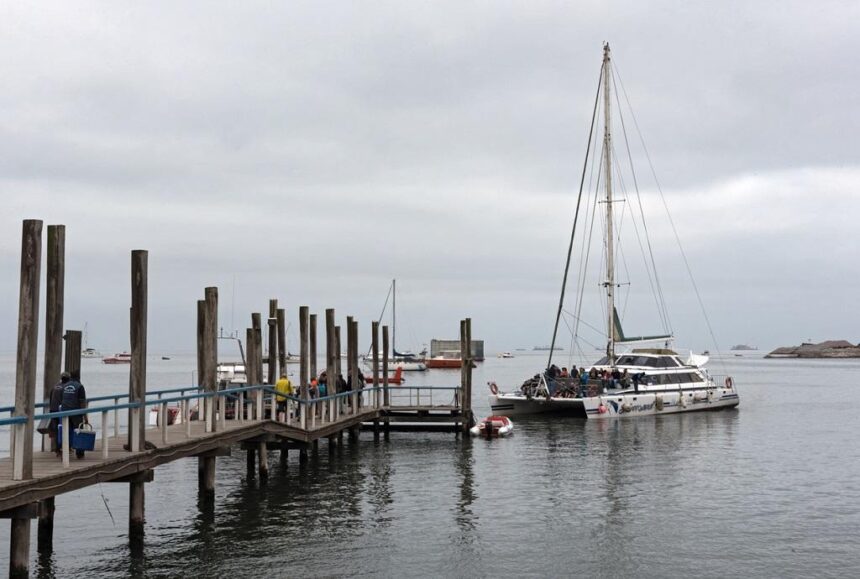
[625,379]
[564,373]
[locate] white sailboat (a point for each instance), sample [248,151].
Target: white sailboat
[639,382]
[406,361]
[88,352]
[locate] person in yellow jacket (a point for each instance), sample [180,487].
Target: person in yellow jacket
[284,388]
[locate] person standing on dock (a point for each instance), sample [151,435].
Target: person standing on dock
[54,406]
[74,397]
[284,388]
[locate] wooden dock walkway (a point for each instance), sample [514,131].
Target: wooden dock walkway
[213,417]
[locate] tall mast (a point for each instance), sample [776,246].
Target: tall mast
[393,316]
[609,284]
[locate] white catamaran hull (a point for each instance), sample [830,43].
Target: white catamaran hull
[618,405]
[667,402]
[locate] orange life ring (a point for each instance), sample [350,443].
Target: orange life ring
[494,390]
[729,382]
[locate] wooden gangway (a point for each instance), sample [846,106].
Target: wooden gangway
[237,415]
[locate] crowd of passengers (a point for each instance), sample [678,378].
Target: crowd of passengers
[576,382]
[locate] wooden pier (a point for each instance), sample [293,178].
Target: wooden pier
[211,420]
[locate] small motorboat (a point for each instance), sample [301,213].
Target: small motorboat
[506,355]
[493,427]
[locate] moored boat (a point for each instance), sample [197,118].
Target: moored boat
[643,381]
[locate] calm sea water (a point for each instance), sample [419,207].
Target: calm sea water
[769,490]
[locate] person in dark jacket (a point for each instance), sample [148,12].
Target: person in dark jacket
[54,406]
[74,397]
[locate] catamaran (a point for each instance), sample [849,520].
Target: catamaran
[642,381]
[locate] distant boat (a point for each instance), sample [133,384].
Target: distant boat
[407,361]
[506,355]
[121,358]
[447,359]
[88,352]
[165,357]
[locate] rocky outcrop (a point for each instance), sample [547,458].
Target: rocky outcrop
[828,349]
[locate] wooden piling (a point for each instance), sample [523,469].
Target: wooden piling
[137,383]
[257,326]
[210,352]
[313,345]
[263,458]
[54,299]
[208,478]
[136,511]
[249,461]
[468,398]
[28,337]
[72,356]
[54,289]
[250,364]
[273,342]
[330,354]
[385,394]
[201,332]
[303,354]
[282,341]
[374,346]
[25,384]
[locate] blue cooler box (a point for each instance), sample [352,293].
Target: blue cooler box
[82,438]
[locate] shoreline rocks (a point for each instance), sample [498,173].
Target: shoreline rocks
[828,349]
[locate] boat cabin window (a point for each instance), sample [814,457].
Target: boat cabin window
[666,362]
[680,378]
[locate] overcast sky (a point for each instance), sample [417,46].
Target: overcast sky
[312,151]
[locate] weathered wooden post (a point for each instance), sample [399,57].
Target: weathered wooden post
[385,393]
[257,325]
[54,291]
[468,397]
[303,374]
[313,345]
[462,393]
[357,380]
[25,384]
[72,356]
[339,403]
[273,342]
[210,353]
[352,371]
[137,385]
[374,345]
[209,383]
[282,341]
[330,368]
